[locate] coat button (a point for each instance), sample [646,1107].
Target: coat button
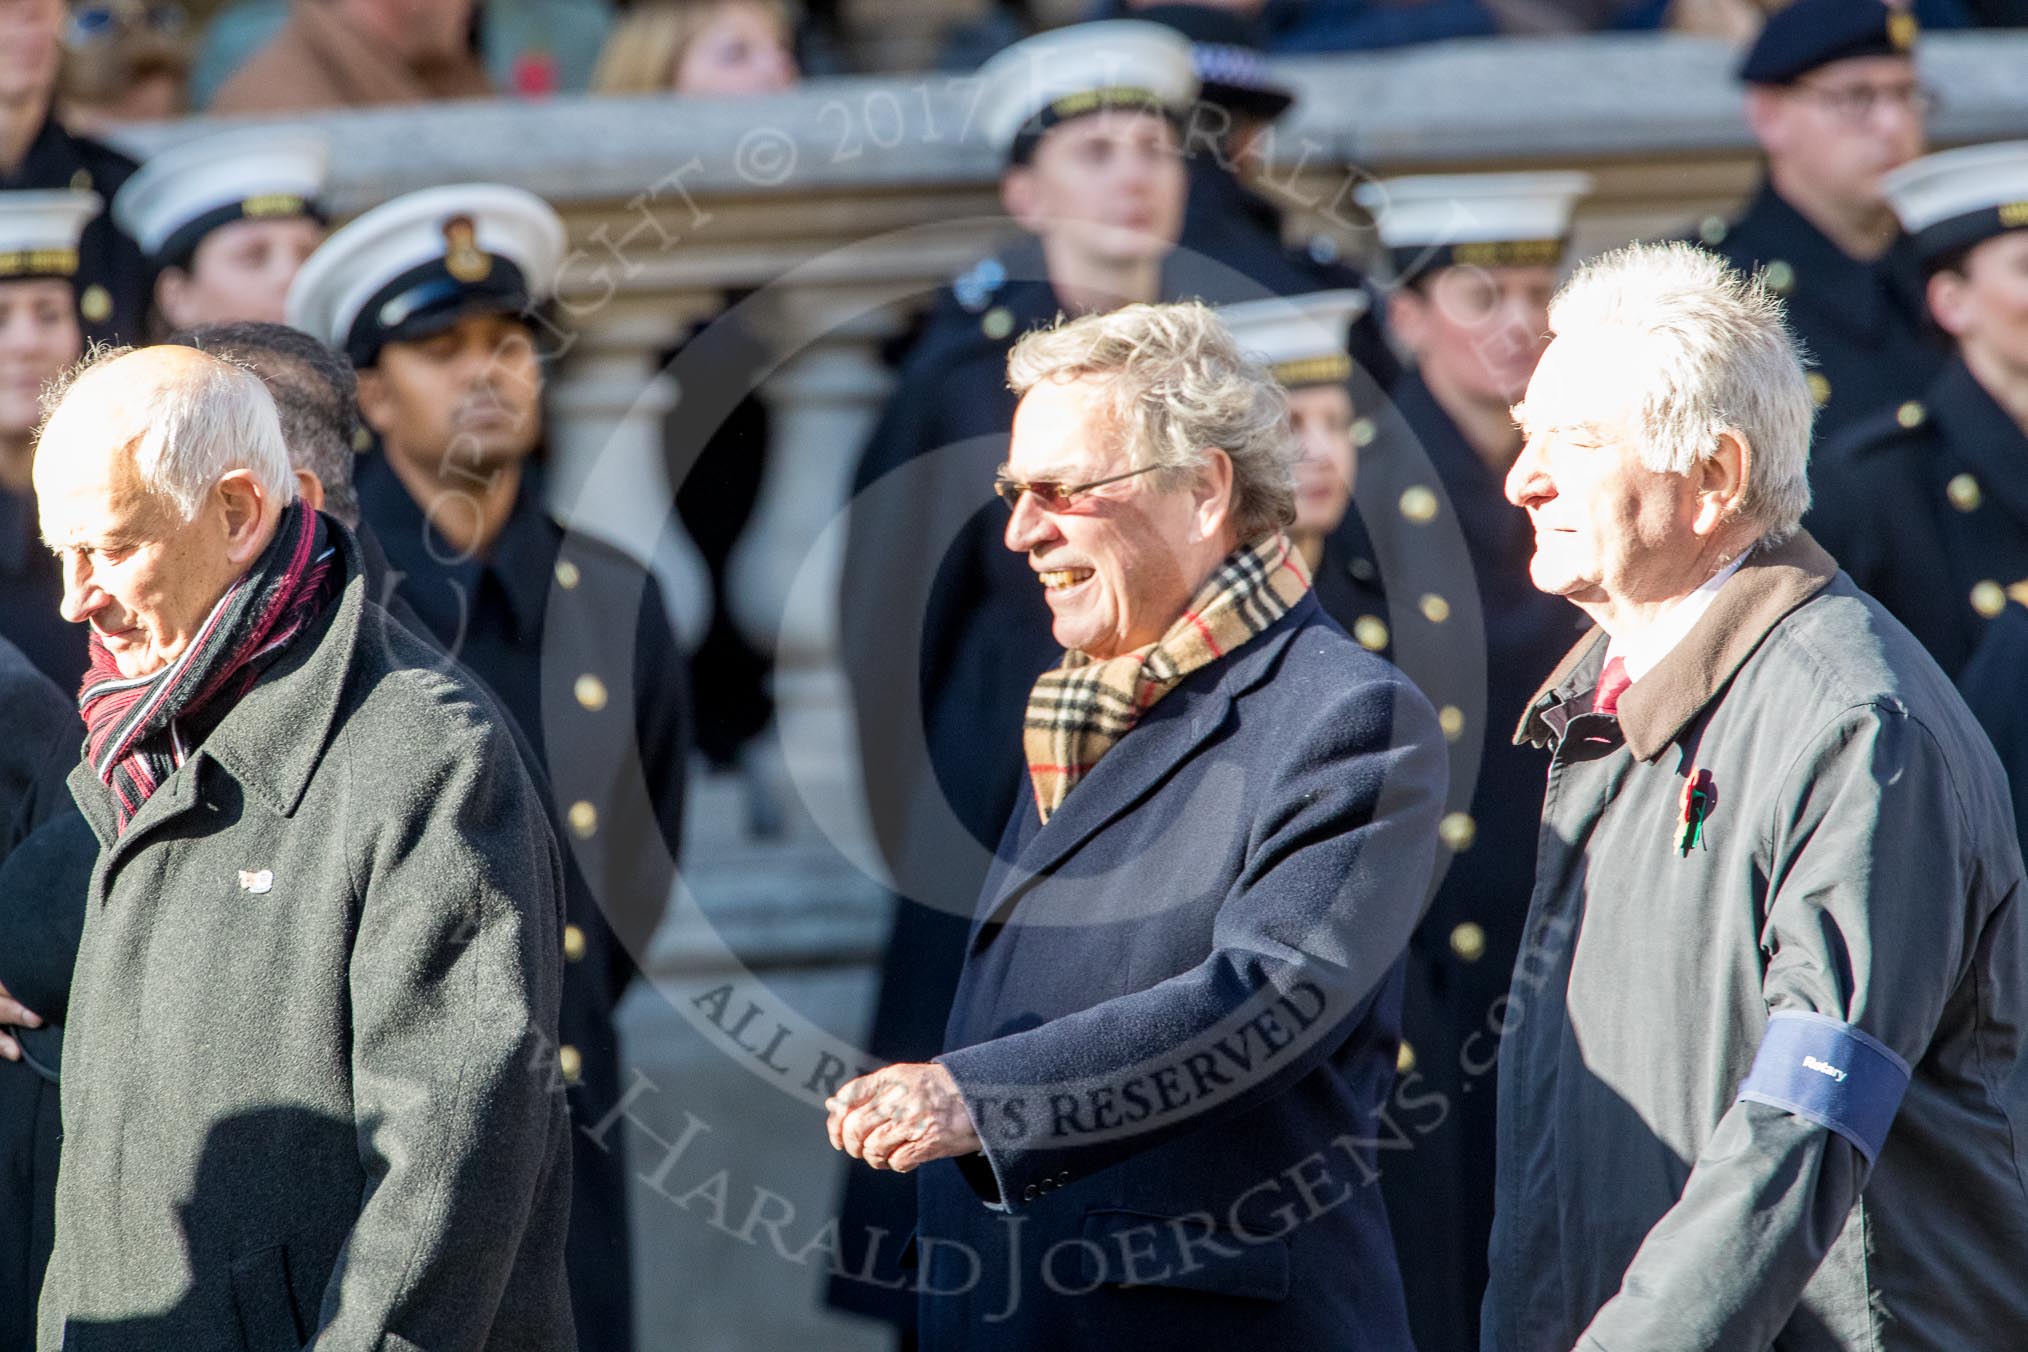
[1457,831]
[573,943]
[1419,504]
[1964,493]
[96,304]
[1468,941]
[1779,276]
[1820,387]
[1028,1193]
[1063,1177]
[1363,431]
[584,819]
[571,1062]
[1452,720]
[567,574]
[1712,229]
[1371,631]
[1911,415]
[590,692]
[998,323]
[1404,1060]
[1989,598]
[1435,609]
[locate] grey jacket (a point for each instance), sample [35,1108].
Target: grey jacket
[309,1092]
[1859,865]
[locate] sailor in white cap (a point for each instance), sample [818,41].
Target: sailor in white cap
[40,335]
[226,221]
[436,298]
[1930,504]
[1475,259]
[1088,120]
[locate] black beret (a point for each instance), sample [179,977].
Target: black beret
[1813,33]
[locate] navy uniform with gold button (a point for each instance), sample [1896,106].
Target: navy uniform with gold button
[568,633]
[1931,514]
[39,234]
[112,275]
[1438,1179]
[1861,321]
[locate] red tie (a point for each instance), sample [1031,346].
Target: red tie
[1612,683]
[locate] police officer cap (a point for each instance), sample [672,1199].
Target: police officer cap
[1300,339]
[39,232]
[1957,198]
[1813,33]
[1225,48]
[1085,68]
[1473,220]
[416,265]
[184,193]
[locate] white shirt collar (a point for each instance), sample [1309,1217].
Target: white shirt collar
[1641,652]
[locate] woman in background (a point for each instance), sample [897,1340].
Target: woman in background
[712,48]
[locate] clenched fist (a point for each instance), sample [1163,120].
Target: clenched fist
[901,1118]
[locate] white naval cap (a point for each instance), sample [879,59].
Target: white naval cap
[39,233]
[184,193]
[1958,198]
[413,266]
[1112,63]
[1301,339]
[1475,220]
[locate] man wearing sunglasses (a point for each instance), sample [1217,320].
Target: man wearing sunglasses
[1836,101]
[38,152]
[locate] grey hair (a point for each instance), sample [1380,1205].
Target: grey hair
[1179,385]
[1720,357]
[316,394]
[194,430]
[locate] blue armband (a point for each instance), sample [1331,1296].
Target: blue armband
[1830,1073]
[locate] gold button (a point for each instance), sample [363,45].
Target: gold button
[1404,1060]
[1452,720]
[590,692]
[567,574]
[1468,941]
[584,819]
[1457,831]
[96,304]
[1371,631]
[998,323]
[1911,414]
[1989,598]
[362,438]
[1820,387]
[1435,609]
[1964,493]
[1419,504]
[1363,431]
[571,1062]
[1780,277]
[573,943]
[1712,230]
[81,181]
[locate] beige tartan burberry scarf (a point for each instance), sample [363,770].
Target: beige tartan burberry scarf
[1079,710]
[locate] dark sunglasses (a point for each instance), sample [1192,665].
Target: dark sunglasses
[1053,494]
[108,19]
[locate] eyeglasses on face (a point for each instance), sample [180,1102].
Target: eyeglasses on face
[1053,495]
[1856,103]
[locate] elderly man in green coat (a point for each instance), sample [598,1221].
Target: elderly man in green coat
[309,1091]
[1762,1079]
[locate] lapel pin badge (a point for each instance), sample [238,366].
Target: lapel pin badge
[260,884]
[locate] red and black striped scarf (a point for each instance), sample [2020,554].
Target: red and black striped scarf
[132,738]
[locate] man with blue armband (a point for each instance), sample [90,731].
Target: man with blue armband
[1761,1069]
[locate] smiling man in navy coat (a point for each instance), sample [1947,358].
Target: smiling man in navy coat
[1155,1123]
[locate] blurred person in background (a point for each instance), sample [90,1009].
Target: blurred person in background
[1474,259]
[124,61]
[706,48]
[435,297]
[39,337]
[1835,99]
[38,151]
[227,221]
[1931,515]
[942,630]
[360,54]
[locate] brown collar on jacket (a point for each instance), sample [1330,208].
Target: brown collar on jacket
[1654,709]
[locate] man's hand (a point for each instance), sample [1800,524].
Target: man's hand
[901,1117]
[14,1013]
